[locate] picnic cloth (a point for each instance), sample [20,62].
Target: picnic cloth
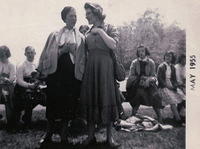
[140,123]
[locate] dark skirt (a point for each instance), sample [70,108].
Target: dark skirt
[9,88]
[63,90]
[144,96]
[99,94]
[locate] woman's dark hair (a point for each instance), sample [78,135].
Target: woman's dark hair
[173,56]
[5,50]
[96,9]
[181,58]
[147,53]
[65,11]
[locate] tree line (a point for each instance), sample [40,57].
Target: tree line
[149,30]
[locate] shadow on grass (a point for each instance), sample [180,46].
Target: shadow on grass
[99,145]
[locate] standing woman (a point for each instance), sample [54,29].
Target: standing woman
[98,94]
[167,83]
[62,62]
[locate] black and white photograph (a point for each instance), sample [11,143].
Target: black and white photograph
[99,74]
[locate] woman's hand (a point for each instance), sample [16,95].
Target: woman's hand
[64,48]
[96,30]
[68,47]
[109,41]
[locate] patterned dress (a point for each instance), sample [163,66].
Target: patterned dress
[99,94]
[166,81]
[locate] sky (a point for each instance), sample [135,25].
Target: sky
[29,22]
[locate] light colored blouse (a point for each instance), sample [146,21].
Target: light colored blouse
[68,36]
[24,70]
[180,74]
[168,75]
[9,69]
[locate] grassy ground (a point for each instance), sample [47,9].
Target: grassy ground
[165,139]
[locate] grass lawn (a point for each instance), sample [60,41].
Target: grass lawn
[165,139]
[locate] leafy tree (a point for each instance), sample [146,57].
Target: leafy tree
[150,31]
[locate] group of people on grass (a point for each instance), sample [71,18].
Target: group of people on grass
[79,72]
[158,89]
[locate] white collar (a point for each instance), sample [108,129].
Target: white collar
[66,29]
[26,61]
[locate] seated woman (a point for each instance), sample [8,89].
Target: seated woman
[180,72]
[180,76]
[141,84]
[167,83]
[7,81]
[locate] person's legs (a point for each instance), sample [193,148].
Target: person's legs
[91,134]
[64,131]
[49,131]
[10,115]
[27,114]
[134,109]
[175,112]
[180,106]
[158,113]
[110,139]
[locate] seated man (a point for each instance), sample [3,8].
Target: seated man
[7,81]
[23,83]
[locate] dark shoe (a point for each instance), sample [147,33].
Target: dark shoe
[89,141]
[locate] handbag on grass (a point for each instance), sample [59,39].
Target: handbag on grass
[119,70]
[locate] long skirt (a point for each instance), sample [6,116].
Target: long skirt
[63,90]
[99,96]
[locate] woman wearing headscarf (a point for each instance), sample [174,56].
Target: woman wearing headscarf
[98,94]
[62,62]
